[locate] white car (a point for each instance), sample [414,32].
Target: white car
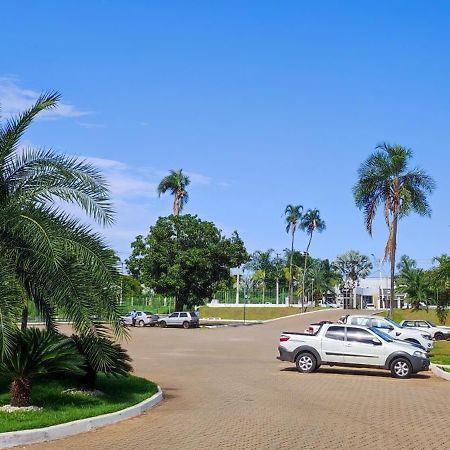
[351,345]
[388,326]
[142,319]
[437,331]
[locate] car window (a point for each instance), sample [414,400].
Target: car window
[421,324]
[183,315]
[408,323]
[173,315]
[336,333]
[358,335]
[381,323]
[359,321]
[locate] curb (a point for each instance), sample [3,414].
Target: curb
[439,372]
[297,315]
[25,437]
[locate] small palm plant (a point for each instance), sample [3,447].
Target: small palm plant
[37,352]
[176,182]
[101,355]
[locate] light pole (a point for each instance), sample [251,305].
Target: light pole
[277,286]
[237,285]
[312,289]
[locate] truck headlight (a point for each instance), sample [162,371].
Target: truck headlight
[420,354]
[427,336]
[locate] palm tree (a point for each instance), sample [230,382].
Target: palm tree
[37,352]
[352,266]
[47,256]
[310,222]
[384,178]
[176,182]
[413,282]
[293,214]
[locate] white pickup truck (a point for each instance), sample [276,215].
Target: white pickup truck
[351,345]
[393,329]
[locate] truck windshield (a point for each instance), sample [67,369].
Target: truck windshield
[392,322]
[381,334]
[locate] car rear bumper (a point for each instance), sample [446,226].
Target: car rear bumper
[285,355]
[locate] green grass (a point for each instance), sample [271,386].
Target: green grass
[251,313]
[59,408]
[409,314]
[441,353]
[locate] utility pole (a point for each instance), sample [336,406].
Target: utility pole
[277,286]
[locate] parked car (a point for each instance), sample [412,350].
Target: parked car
[391,328]
[180,319]
[351,345]
[330,304]
[142,319]
[370,306]
[438,332]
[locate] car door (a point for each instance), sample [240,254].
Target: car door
[363,348]
[333,344]
[172,319]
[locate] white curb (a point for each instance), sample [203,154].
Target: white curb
[297,315]
[439,372]
[14,438]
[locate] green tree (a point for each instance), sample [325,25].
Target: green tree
[385,179]
[321,276]
[310,222]
[51,258]
[351,267]
[37,352]
[185,257]
[176,183]
[293,215]
[439,278]
[413,282]
[130,286]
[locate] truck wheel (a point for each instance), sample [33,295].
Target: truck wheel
[439,336]
[162,324]
[306,363]
[185,325]
[141,323]
[401,368]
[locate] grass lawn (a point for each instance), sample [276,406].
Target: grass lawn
[441,352]
[251,313]
[409,314]
[60,408]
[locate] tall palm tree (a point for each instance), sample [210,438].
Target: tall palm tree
[310,222]
[293,214]
[176,182]
[385,179]
[47,256]
[352,266]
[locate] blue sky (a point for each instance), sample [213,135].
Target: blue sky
[264,103]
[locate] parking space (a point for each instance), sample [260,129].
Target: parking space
[225,390]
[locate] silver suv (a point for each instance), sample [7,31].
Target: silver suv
[180,319]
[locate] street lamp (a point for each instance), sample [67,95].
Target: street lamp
[312,289]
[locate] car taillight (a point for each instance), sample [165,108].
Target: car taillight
[284,338]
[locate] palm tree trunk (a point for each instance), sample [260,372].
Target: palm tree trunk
[304,271]
[392,258]
[24,319]
[21,392]
[175,206]
[291,284]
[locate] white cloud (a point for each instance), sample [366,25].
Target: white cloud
[91,126]
[15,99]
[198,178]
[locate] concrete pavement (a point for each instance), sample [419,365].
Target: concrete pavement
[225,390]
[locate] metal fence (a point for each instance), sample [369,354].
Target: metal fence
[255,296]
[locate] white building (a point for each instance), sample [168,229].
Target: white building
[373,290]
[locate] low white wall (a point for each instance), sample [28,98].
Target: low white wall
[254,305]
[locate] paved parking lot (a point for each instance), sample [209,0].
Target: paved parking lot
[225,390]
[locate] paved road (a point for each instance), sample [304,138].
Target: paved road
[225,390]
